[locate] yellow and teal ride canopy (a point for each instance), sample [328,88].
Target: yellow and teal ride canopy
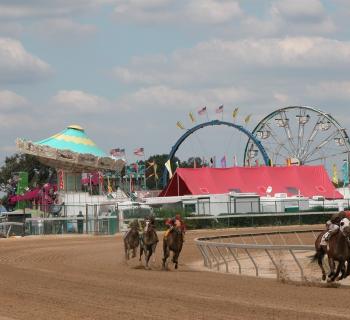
[70,149]
[75,139]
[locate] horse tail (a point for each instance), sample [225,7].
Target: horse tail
[318,255]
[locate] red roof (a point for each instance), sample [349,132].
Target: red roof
[307,181]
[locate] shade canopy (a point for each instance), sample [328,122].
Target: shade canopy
[307,181]
[70,150]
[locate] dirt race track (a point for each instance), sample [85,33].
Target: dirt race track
[86,277]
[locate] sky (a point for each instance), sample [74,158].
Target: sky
[128,70]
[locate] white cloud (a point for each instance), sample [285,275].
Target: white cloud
[11,29]
[40,8]
[281,97]
[219,61]
[145,11]
[167,98]
[170,11]
[330,90]
[298,10]
[63,29]
[213,11]
[10,101]
[17,65]
[79,102]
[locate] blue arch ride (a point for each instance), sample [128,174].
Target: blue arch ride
[213,123]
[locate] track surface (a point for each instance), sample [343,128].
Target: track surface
[86,277]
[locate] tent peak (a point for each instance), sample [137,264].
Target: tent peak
[75,127]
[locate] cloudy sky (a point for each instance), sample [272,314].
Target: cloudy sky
[128,70]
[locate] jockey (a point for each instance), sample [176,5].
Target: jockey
[136,223]
[175,222]
[333,224]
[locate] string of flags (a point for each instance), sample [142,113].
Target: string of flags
[203,111]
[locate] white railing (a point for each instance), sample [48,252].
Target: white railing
[224,253]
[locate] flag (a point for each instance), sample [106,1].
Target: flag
[113,152]
[345,172]
[117,153]
[234,113]
[192,117]
[109,187]
[151,164]
[223,162]
[179,125]
[155,171]
[60,179]
[168,167]
[202,111]
[139,152]
[247,118]
[335,174]
[213,162]
[235,164]
[220,109]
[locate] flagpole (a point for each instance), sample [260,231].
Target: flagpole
[144,171]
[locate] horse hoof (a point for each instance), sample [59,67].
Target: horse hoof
[323,277]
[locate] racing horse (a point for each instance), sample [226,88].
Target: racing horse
[131,242]
[338,249]
[149,241]
[173,242]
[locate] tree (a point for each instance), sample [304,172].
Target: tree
[38,173]
[190,163]
[159,160]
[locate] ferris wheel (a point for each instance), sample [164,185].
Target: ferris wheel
[299,135]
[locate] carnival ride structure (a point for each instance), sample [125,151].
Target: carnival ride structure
[293,135]
[72,153]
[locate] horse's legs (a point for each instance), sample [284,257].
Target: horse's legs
[343,271]
[347,268]
[175,258]
[339,267]
[331,264]
[148,254]
[133,252]
[166,254]
[141,252]
[320,263]
[126,251]
[154,246]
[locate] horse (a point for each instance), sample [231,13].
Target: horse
[173,242]
[337,249]
[131,242]
[149,241]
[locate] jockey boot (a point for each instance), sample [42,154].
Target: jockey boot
[166,233]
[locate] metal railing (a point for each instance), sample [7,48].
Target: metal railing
[224,253]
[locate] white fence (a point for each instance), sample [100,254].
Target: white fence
[282,253]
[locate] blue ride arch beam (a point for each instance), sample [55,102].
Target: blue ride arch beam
[213,123]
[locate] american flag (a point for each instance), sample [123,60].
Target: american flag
[117,152]
[139,152]
[202,111]
[220,109]
[223,162]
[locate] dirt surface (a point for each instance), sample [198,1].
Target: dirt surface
[86,277]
